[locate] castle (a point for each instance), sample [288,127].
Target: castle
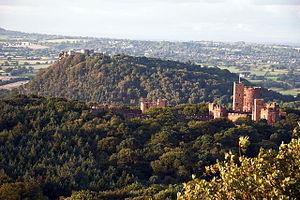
[159,103]
[129,113]
[247,102]
[71,52]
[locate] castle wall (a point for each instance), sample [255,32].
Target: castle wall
[211,109]
[271,113]
[259,104]
[238,96]
[217,111]
[282,115]
[146,105]
[234,116]
[161,103]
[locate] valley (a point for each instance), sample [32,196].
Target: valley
[272,66]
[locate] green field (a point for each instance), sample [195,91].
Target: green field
[293,92]
[268,74]
[3,37]
[42,66]
[32,63]
[258,72]
[232,69]
[27,75]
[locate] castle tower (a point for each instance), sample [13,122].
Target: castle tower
[238,96]
[211,108]
[270,113]
[216,110]
[259,104]
[250,93]
[145,105]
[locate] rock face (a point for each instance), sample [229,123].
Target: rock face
[125,80]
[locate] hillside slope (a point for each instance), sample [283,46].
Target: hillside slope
[125,79]
[60,146]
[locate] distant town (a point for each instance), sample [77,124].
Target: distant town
[272,66]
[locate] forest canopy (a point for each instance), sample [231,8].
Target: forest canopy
[50,147]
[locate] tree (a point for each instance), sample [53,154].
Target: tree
[243,144]
[21,190]
[270,175]
[64,146]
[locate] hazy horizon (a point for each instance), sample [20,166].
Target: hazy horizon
[258,21]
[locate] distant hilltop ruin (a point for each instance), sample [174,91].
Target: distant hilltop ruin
[146,105]
[72,52]
[247,102]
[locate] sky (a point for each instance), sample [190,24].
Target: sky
[272,21]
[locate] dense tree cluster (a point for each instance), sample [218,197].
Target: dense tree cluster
[50,147]
[125,79]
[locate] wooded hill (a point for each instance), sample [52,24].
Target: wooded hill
[50,147]
[125,79]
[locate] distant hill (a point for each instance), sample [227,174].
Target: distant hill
[12,35]
[8,34]
[125,79]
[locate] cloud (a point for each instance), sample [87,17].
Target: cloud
[277,2]
[250,20]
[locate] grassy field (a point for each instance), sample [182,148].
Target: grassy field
[42,66]
[277,72]
[258,72]
[273,78]
[27,75]
[43,63]
[293,92]
[232,69]
[255,81]
[267,73]
[3,37]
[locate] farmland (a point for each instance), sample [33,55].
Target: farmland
[285,81]
[276,67]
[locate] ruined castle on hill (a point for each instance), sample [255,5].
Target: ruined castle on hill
[247,102]
[146,105]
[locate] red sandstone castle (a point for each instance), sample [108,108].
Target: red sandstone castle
[247,102]
[146,105]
